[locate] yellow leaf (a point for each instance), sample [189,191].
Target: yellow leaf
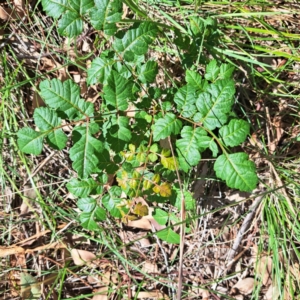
[156,178]
[127,218]
[147,184]
[169,163]
[166,152]
[133,183]
[140,210]
[164,190]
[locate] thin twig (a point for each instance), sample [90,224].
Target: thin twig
[243,230]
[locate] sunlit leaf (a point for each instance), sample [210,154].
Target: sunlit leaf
[237,171]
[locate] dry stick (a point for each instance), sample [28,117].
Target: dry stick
[171,290]
[182,218]
[182,226]
[242,231]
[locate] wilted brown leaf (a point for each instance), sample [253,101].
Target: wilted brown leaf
[82,257]
[244,286]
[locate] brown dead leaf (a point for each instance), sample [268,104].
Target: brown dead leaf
[145,223]
[13,12]
[153,295]
[29,196]
[101,294]
[244,286]
[82,257]
[130,111]
[149,267]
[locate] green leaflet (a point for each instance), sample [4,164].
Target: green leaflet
[148,72]
[188,147]
[81,6]
[84,187]
[169,236]
[105,15]
[215,104]
[194,80]
[235,132]
[114,203]
[70,24]
[237,171]
[212,71]
[47,120]
[185,99]
[30,287]
[166,126]
[160,216]
[99,70]
[83,153]
[54,8]
[30,141]
[65,98]
[91,214]
[121,129]
[118,91]
[137,39]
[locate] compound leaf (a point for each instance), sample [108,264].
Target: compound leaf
[148,71]
[118,91]
[137,39]
[235,132]
[215,104]
[70,24]
[105,15]
[65,98]
[237,171]
[169,235]
[54,8]
[166,126]
[99,71]
[30,141]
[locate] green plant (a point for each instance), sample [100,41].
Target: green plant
[123,136]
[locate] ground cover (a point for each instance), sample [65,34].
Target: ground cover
[118,241]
